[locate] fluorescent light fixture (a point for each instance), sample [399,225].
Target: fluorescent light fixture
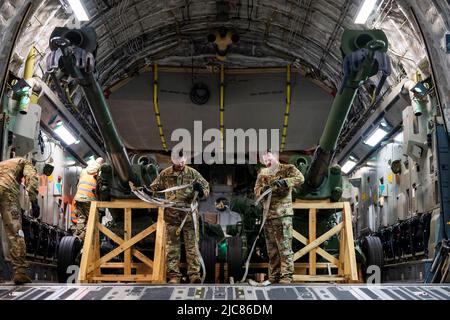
[65,135]
[70,163]
[78,10]
[365,11]
[420,89]
[399,137]
[89,159]
[349,165]
[376,137]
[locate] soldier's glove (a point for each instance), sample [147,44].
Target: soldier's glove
[280,183]
[197,186]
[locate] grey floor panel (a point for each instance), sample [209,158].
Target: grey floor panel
[225,292]
[340,294]
[440,294]
[305,294]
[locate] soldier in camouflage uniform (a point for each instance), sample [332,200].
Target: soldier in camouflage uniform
[281,178]
[12,172]
[85,194]
[176,175]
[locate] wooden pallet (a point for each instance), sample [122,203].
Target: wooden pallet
[346,262]
[147,270]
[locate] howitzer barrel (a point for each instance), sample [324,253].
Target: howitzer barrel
[364,55]
[114,146]
[73,51]
[336,118]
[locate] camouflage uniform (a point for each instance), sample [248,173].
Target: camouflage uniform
[84,196]
[278,226]
[11,173]
[170,178]
[82,212]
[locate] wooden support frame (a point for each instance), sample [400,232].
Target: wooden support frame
[147,270]
[346,263]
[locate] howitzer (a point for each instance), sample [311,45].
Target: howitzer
[73,52]
[364,55]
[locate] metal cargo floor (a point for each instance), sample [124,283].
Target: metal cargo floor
[399,291]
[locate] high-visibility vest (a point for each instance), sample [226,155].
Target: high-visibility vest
[73,215]
[86,186]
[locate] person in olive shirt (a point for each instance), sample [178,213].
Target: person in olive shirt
[281,178]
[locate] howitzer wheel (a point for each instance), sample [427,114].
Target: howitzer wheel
[234,258]
[373,250]
[208,252]
[68,254]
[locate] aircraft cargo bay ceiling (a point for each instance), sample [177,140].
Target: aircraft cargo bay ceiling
[178,36]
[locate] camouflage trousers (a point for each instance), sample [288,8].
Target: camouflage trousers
[12,223]
[278,234]
[82,213]
[173,250]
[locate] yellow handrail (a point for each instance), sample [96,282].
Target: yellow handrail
[155,105]
[288,107]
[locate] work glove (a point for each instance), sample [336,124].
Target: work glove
[197,186]
[280,183]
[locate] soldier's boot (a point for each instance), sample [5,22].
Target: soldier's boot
[174,280]
[20,277]
[195,279]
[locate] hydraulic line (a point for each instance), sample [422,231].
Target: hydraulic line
[30,96]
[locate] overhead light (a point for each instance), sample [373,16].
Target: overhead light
[348,166]
[69,163]
[399,137]
[78,10]
[90,158]
[376,137]
[420,89]
[65,135]
[365,11]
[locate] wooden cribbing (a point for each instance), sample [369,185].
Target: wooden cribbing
[146,270]
[345,263]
